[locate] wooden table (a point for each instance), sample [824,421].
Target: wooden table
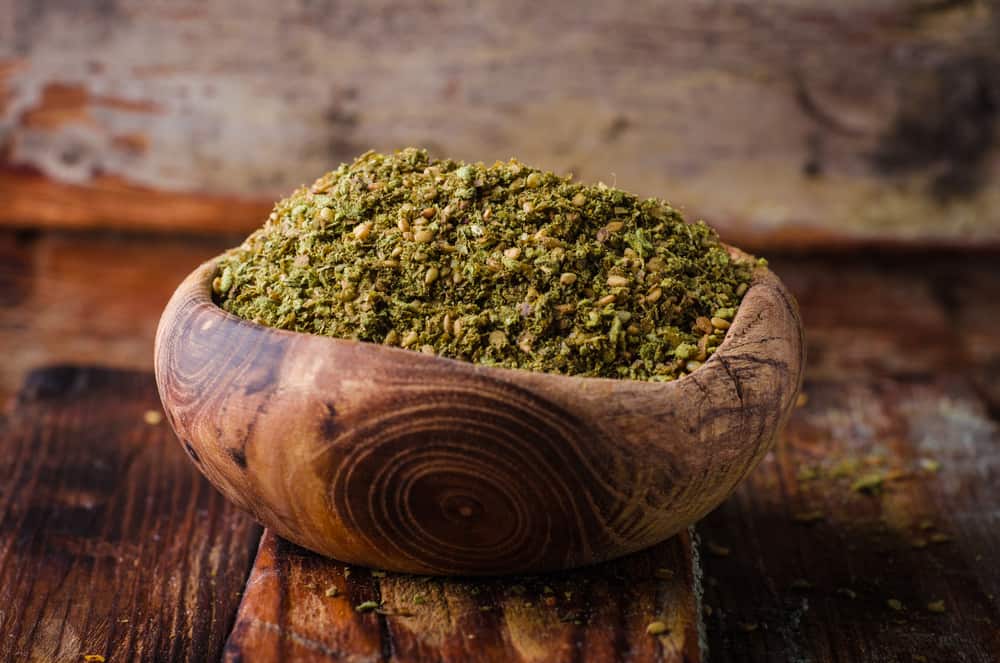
[871,533]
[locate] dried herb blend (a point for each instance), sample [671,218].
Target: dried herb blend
[503,265]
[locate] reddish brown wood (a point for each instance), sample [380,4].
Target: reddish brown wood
[595,614]
[892,338]
[110,543]
[108,201]
[399,460]
[902,376]
[94,299]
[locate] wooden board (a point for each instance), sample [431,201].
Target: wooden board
[901,385]
[595,614]
[820,569]
[792,123]
[111,544]
[904,365]
[75,298]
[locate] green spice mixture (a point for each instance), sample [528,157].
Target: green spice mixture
[504,265]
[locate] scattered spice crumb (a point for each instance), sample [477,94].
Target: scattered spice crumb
[707,609]
[656,628]
[938,537]
[485,608]
[925,524]
[801,584]
[573,617]
[849,593]
[93,658]
[153,418]
[717,549]
[419,599]
[802,399]
[845,468]
[367,606]
[378,574]
[919,543]
[929,465]
[936,606]
[808,517]
[748,627]
[895,604]
[549,601]
[870,483]
[919,658]
[806,473]
[332,591]
[663,574]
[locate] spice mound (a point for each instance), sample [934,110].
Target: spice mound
[504,265]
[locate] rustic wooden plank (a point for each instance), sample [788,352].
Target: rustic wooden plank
[907,327]
[111,544]
[803,122]
[898,392]
[70,297]
[107,201]
[303,607]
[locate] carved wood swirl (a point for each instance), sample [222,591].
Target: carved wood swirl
[399,460]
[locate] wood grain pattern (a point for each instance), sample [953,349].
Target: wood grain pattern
[69,297]
[594,614]
[797,122]
[398,460]
[902,373]
[815,567]
[110,543]
[904,362]
[33,200]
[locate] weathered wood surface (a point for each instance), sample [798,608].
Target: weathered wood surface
[904,365]
[111,544]
[595,614]
[91,299]
[903,377]
[394,459]
[784,123]
[819,569]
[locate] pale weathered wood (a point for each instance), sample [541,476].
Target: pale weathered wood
[783,123]
[596,614]
[110,543]
[399,460]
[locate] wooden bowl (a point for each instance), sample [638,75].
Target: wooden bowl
[399,460]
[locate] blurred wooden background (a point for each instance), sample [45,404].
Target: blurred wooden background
[792,123]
